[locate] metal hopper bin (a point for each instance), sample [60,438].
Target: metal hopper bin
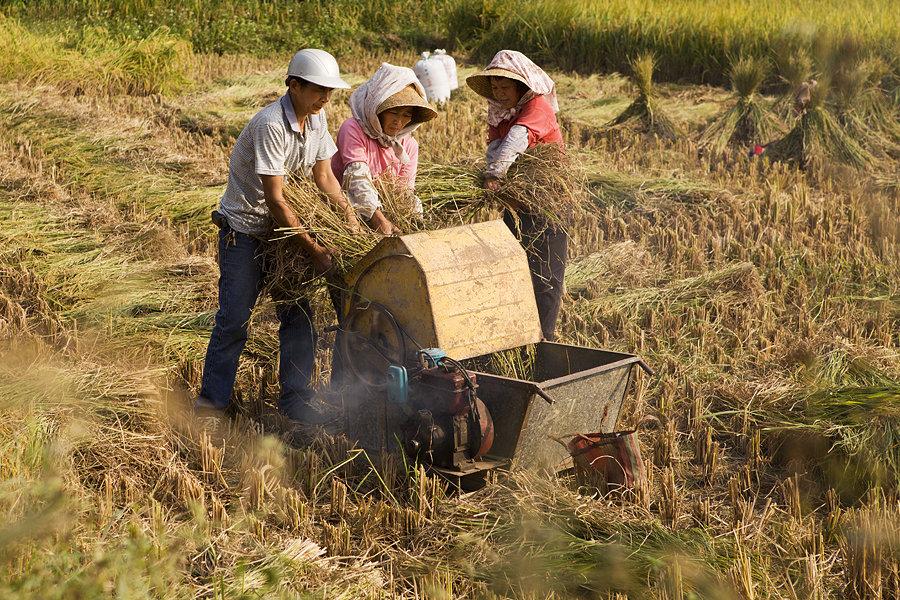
[572,389]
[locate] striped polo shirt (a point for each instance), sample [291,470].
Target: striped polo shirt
[270,144]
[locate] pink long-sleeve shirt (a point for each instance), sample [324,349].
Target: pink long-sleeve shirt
[355,146]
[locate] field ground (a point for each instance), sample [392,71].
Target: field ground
[766,298]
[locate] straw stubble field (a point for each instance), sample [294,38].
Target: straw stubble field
[766,298]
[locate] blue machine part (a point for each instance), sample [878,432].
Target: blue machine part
[398,385]
[433,356]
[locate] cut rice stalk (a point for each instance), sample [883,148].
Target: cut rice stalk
[290,276]
[748,121]
[544,181]
[818,138]
[645,113]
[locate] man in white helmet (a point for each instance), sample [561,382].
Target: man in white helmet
[289,136]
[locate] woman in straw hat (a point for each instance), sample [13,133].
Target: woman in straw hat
[522,111]
[377,140]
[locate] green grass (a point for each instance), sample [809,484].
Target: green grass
[90,60]
[694,41]
[253,26]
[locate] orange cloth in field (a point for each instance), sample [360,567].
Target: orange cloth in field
[538,117]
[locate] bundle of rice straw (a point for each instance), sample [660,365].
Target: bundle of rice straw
[547,182]
[818,137]
[747,121]
[398,204]
[451,194]
[645,113]
[544,180]
[794,68]
[290,273]
[861,106]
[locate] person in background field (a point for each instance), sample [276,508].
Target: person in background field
[522,111]
[377,140]
[288,137]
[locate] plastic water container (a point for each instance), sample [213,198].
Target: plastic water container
[433,77]
[449,66]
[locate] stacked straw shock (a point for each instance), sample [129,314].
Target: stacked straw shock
[861,107]
[842,117]
[818,137]
[794,68]
[747,121]
[645,113]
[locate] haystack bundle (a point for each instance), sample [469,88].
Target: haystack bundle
[644,113]
[818,137]
[862,107]
[747,121]
[794,67]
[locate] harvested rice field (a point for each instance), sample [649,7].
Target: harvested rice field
[764,291]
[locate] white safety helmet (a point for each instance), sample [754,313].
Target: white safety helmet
[318,67]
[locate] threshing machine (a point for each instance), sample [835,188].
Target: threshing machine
[428,317]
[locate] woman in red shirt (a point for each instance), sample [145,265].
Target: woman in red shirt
[522,111]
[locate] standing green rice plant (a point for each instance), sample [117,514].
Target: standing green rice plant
[748,121]
[645,112]
[95,62]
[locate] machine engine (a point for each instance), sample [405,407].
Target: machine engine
[448,425]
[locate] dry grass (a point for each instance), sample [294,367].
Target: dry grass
[764,297]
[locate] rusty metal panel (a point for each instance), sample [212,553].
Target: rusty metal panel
[373,422]
[584,405]
[587,386]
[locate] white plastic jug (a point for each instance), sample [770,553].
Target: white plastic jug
[433,77]
[449,66]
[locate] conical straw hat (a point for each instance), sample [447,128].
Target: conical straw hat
[481,81]
[409,96]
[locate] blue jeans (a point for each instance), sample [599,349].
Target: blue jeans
[242,272]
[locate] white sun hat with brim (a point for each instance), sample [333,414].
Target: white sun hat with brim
[318,67]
